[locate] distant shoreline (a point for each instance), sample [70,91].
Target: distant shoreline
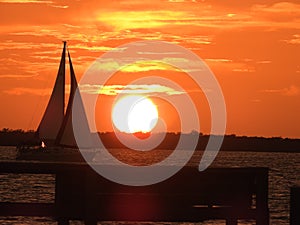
[10,137]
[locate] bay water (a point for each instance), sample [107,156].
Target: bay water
[284,172]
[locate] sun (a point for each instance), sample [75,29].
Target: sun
[134,113]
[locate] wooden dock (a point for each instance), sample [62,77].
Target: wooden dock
[295,206]
[190,195]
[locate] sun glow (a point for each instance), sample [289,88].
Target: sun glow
[134,113]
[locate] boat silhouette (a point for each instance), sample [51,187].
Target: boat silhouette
[55,131]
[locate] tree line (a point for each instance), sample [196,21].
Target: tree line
[9,137]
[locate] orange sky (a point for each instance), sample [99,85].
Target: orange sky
[252,47]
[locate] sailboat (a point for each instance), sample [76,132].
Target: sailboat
[55,131]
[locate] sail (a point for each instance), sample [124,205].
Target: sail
[65,136]
[54,114]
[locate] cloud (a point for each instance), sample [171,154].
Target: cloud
[264,62]
[121,20]
[33,91]
[60,6]
[244,70]
[290,91]
[50,3]
[19,76]
[176,0]
[139,66]
[225,64]
[280,15]
[148,66]
[294,40]
[159,63]
[28,91]
[129,89]
[218,60]
[124,22]
[280,7]
[26,1]
[95,48]
[255,100]
[12,45]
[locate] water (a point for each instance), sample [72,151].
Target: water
[284,173]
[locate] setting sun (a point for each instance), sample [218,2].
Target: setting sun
[134,113]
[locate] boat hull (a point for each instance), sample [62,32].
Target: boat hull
[55,154]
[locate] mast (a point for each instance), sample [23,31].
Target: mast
[54,114]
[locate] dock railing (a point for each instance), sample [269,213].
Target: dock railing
[192,196]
